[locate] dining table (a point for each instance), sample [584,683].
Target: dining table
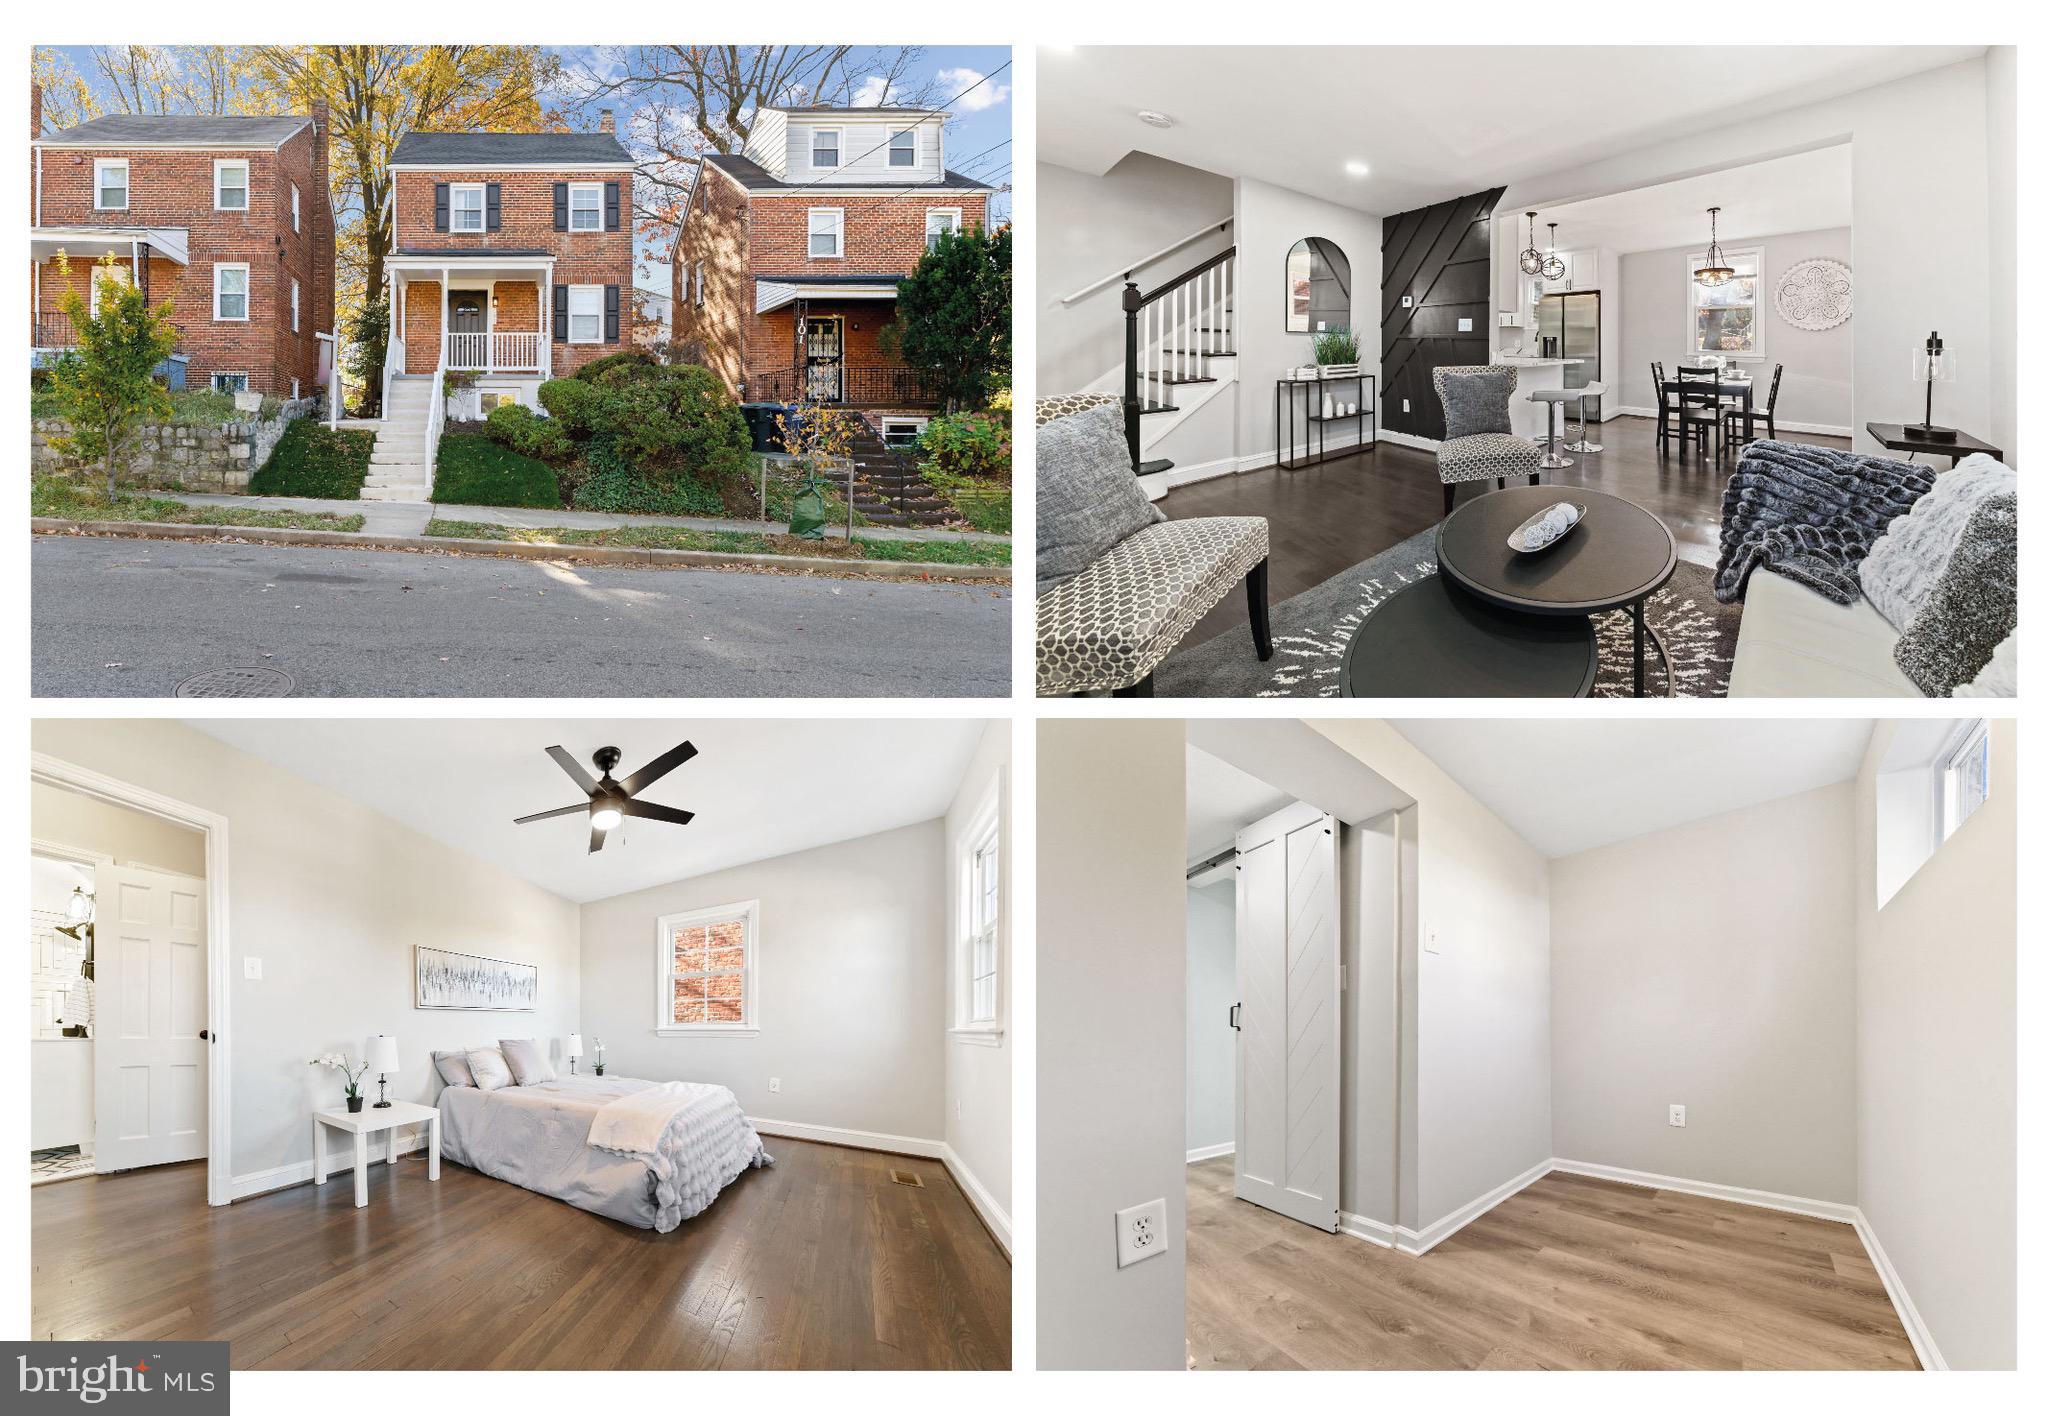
[1741,388]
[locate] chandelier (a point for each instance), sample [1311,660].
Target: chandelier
[1553,268]
[1531,258]
[1716,271]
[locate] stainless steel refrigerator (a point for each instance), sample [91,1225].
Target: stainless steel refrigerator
[1568,327]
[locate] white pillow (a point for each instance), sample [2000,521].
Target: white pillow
[487,1065]
[528,1060]
[454,1068]
[1899,574]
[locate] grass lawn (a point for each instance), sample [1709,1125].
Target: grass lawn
[311,460]
[192,408]
[677,538]
[471,470]
[983,509]
[76,501]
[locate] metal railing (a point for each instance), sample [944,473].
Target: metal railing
[861,385]
[477,351]
[437,410]
[51,329]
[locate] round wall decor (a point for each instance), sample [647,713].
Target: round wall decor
[1816,294]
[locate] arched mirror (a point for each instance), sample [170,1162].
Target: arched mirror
[1318,286]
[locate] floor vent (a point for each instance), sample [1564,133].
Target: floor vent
[906,1177]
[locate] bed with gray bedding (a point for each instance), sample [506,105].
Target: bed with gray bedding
[538,1137]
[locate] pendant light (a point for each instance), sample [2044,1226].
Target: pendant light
[1716,271]
[1531,258]
[1553,268]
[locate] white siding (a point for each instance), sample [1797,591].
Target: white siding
[768,144]
[863,148]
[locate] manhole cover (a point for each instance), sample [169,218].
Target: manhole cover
[238,683]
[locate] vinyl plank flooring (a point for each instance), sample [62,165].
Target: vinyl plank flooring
[1572,1273]
[820,1261]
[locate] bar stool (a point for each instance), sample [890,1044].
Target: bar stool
[1554,397]
[1584,444]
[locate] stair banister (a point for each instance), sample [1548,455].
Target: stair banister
[1131,268]
[1158,327]
[1133,303]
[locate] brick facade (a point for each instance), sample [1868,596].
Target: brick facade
[171,187]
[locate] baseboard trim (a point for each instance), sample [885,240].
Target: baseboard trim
[1828,430]
[1211,1152]
[300,1172]
[858,1140]
[1409,440]
[993,1215]
[1419,1242]
[1705,1189]
[1370,1230]
[1917,1333]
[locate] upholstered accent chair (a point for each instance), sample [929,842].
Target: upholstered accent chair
[1479,441]
[1119,587]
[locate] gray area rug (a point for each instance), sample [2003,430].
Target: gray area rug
[1311,631]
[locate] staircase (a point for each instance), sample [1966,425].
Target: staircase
[887,489]
[1180,351]
[398,463]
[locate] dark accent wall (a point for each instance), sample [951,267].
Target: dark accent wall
[1441,257]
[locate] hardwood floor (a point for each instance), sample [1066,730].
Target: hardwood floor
[819,1261]
[1326,519]
[1570,1273]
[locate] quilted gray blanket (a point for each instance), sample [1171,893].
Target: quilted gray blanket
[1810,514]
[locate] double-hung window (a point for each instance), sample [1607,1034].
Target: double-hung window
[824,149]
[828,233]
[466,206]
[295,304]
[706,979]
[940,221]
[586,206]
[230,185]
[110,184]
[977,957]
[903,148]
[1965,781]
[295,206]
[231,291]
[586,314]
[1728,318]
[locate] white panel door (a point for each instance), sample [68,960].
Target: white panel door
[1288,1015]
[149,1060]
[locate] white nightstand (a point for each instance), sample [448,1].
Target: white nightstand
[361,1123]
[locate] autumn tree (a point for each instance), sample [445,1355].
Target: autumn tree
[68,99]
[106,387]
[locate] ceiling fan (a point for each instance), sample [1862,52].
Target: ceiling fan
[612,802]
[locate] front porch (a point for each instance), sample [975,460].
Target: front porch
[476,315]
[65,259]
[822,342]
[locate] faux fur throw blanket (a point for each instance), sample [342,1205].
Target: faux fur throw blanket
[1810,514]
[633,1123]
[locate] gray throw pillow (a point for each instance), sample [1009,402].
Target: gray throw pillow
[454,1068]
[1088,497]
[487,1065]
[1476,403]
[1973,607]
[528,1060]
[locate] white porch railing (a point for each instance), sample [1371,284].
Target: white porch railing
[500,350]
[437,411]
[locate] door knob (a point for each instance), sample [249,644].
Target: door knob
[205,1036]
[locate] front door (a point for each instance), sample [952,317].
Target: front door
[824,360]
[149,1010]
[468,321]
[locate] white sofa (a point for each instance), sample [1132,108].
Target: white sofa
[1795,643]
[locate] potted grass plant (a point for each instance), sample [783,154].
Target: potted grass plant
[1337,352]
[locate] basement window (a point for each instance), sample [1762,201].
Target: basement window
[1935,774]
[1965,775]
[705,976]
[231,383]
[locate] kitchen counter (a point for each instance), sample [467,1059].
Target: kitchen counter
[1534,361]
[1533,372]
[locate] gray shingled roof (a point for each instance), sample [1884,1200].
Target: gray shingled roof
[851,112]
[127,129]
[481,149]
[756,178]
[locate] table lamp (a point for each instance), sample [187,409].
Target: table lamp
[573,1049]
[382,1052]
[1935,364]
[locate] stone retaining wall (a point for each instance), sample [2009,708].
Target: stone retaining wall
[217,458]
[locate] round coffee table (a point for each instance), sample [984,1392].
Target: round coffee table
[1615,559]
[1433,640]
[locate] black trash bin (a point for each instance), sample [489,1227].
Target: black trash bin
[761,425]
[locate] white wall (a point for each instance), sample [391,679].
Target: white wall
[1712,964]
[852,964]
[1482,1022]
[977,1099]
[1112,1085]
[1212,1042]
[1369,878]
[64,818]
[1915,271]
[1654,310]
[2001,145]
[332,897]
[1937,1058]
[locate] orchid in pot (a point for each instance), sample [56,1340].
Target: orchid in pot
[598,1044]
[353,1071]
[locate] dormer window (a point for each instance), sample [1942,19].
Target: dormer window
[230,186]
[903,148]
[824,147]
[110,184]
[466,207]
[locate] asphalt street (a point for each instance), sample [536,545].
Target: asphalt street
[127,618]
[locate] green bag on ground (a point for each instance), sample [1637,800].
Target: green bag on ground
[808,512]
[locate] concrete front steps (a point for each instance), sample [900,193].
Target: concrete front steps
[398,467]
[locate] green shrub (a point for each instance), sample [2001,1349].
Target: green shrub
[966,445]
[518,427]
[614,484]
[572,403]
[475,471]
[311,460]
[626,364]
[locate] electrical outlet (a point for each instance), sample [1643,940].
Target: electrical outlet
[1677,1114]
[1404,405]
[1140,1232]
[775,1084]
[252,968]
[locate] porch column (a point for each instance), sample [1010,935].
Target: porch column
[547,322]
[444,317]
[134,261]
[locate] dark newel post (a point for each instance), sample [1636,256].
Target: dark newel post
[1133,302]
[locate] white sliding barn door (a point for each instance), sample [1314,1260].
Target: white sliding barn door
[149,1060]
[1289,1013]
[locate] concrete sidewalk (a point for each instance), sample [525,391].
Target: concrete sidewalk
[411,518]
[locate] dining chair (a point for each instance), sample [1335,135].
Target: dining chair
[1666,408]
[1767,415]
[1699,408]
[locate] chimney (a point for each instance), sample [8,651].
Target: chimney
[320,221]
[35,111]
[604,120]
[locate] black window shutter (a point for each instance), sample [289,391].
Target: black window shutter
[493,209]
[440,206]
[561,314]
[611,314]
[561,206]
[611,206]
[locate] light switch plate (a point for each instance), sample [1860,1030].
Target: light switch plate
[1677,1114]
[252,968]
[1140,1232]
[1429,941]
[775,1084]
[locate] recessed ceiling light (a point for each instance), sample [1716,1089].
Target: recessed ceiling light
[1356,168]
[1154,117]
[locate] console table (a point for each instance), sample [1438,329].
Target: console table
[1313,431]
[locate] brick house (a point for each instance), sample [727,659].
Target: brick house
[228,218]
[789,254]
